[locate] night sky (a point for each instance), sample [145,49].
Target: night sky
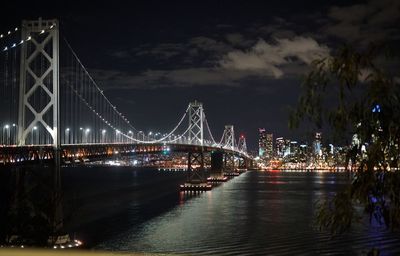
[243,59]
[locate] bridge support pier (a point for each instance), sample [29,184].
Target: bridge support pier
[229,165]
[243,164]
[196,167]
[217,167]
[58,217]
[196,180]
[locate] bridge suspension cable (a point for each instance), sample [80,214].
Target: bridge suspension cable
[113,108]
[86,114]
[209,131]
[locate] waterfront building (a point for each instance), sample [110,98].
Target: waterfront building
[280,145]
[262,142]
[294,148]
[318,144]
[286,148]
[269,146]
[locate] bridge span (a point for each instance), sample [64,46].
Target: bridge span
[53,110]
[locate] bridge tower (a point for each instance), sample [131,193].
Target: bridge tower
[229,143]
[196,179]
[196,118]
[39,79]
[242,147]
[42,49]
[242,144]
[229,137]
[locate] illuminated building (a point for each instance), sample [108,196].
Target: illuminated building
[262,142]
[270,146]
[286,148]
[280,145]
[294,148]
[303,149]
[318,144]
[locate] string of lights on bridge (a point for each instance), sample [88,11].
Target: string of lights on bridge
[116,129]
[96,99]
[22,41]
[9,33]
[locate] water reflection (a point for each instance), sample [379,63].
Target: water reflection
[257,213]
[142,210]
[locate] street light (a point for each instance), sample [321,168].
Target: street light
[81,134]
[14,136]
[140,132]
[130,134]
[103,136]
[87,135]
[67,137]
[34,128]
[117,132]
[7,139]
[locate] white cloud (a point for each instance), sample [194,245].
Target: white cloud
[272,58]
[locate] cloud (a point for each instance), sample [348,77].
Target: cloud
[162,51]
[376,20]
[238,40]
[272,58]
[262,61]
[209,45]
[185,77]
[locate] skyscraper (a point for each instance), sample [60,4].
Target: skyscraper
[318,144]
[280,147]
[262,142]
[269,154]
[286,148]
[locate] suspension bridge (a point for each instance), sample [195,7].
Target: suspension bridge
[53,110]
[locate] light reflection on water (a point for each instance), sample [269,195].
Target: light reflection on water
[257,213]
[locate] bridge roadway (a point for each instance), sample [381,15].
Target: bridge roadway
[70,152]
